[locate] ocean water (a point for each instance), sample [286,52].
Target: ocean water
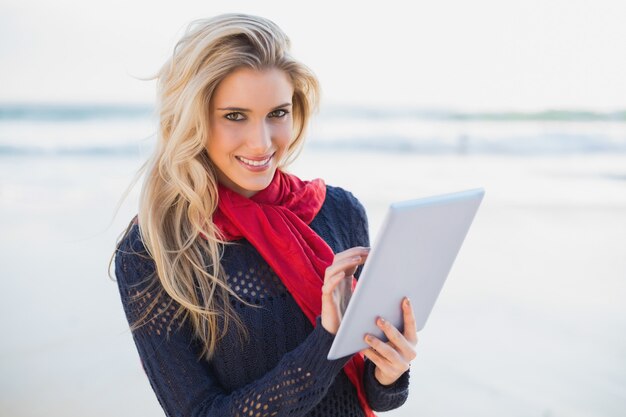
[119,130]
[530,322]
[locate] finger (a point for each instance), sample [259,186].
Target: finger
[376,358]
[349,259]
[396,366]
[338,267]
[410,326]
[397,340]
[383,349]
[357,249]
[349,253]
[330,283]
[344,264]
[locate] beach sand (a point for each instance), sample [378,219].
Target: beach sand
[530,322]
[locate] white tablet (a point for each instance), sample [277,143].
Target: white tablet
[412,256]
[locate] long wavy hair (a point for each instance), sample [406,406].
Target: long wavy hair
[179,193]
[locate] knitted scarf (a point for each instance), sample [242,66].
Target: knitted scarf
[275,221]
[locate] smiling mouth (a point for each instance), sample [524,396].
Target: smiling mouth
[255,163]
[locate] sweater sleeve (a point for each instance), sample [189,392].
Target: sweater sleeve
[380,397]
[187,386]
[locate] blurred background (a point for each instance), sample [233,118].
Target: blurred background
[526,99]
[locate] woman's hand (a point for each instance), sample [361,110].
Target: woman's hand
[392,359]
[343,267]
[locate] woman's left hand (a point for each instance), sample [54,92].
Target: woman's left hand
[392,359]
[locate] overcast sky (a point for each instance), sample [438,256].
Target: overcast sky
[484,54]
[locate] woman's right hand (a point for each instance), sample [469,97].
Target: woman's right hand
[343,267]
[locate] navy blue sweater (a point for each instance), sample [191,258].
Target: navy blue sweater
[281,370]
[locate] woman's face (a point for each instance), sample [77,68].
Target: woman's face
[250,128]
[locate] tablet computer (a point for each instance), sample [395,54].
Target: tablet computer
[412,256]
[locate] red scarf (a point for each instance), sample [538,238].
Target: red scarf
[275,221]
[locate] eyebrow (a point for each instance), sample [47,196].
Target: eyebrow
[248,110]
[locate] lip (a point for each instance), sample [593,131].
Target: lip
[257,168]
[257,158]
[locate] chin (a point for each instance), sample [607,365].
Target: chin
[258,184]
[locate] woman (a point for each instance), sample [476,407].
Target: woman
[227,272]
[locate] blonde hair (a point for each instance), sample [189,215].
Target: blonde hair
[179,194]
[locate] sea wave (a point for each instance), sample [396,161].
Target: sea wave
[129,150]
[97,130]
[75,112]
[90,111]
[464,146]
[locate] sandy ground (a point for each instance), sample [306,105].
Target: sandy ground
[531,321]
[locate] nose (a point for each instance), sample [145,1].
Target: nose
[260,139]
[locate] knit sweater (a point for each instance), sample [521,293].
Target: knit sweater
[282,368]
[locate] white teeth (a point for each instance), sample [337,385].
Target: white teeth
[254,163]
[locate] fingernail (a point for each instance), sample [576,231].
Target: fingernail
[408,302]
[368,338]
[382,321]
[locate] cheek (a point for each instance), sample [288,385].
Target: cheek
[283,134]
[221,142]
